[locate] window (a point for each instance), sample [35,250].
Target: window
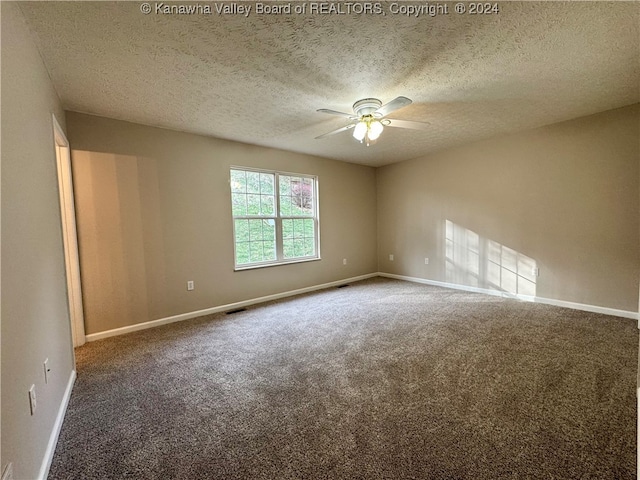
[275,217]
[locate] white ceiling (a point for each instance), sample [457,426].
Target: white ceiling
[259,79]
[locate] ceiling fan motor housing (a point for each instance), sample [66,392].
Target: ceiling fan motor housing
[369,118]
[366,106]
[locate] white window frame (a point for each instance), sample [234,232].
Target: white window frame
[280,260]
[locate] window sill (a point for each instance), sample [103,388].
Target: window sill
[275,264]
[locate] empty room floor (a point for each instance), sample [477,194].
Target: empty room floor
[382,379]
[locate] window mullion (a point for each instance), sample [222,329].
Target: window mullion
[279,249]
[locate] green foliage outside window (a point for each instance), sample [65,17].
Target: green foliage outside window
[274,216]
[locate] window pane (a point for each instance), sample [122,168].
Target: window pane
[269,230]
[309,247]
[269,249]
[302,195]
[285,205]
[242,230]
[266,183]
[266,205]
[238,181]
[255,230]
[253,182]
[255,240]
[309,228]
[256,254]
[285,185]
[298,228]
[287,228]
[239,204]
[253,204]
[260,230]
[242,253]
[287,249]
[298,247]
[252,193]
[296,196]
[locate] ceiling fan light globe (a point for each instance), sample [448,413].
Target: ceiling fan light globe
[375,130]
[360,131]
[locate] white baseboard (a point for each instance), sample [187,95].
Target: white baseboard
[524,298]
[57,426]
[231,306]
[221,308]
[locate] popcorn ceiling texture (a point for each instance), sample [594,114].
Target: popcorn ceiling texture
[259,79]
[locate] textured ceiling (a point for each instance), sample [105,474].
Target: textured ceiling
[259,79]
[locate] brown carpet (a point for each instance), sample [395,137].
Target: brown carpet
[380,380]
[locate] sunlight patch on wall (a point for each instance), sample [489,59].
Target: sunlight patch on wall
[481,262]
[462,255]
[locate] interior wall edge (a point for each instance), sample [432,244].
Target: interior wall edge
[35,316]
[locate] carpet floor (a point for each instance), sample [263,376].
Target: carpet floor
[382,379]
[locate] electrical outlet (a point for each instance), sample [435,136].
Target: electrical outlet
[391,257]
[191,285]
[8,472]
[47,370]
[426,260]
[344,261]
[535,271]
[32,399]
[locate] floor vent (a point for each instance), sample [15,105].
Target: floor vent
[235,311]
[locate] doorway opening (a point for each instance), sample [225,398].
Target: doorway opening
[69,234]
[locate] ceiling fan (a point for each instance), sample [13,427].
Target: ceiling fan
[368,120]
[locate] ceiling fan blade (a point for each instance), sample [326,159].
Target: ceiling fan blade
[338,130]
[334,112]
[392,106]
[407,124]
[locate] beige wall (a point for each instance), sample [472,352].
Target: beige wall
[35,323]
[563,198]
[153,211]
